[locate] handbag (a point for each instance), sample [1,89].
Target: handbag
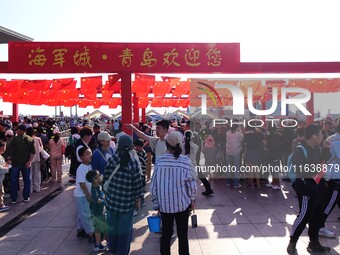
[106,184]
[193,219]
[44,155]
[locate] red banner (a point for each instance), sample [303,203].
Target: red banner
[83,57]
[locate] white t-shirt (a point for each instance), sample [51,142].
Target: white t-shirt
[157,144]
[81,177]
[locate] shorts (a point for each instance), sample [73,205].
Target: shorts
[100,224]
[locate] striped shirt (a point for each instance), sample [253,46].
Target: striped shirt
[125,186]
[172,185]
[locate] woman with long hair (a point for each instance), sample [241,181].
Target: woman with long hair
[173,190]
[123,195]
[57,150]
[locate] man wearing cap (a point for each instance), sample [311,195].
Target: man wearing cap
[21,151]
[103,152]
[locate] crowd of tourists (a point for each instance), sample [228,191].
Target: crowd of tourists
[181,152]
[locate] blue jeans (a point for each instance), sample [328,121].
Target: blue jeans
[26,175]
[119,232]
[234,160]
[84,220]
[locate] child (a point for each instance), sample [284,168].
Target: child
[3,170]
[138,144]
[83,197]
[97,208]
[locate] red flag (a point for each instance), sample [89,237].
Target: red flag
[143,102]
[91,83]
[160,89]
[36,84]
[67,83]
[83,103]
[107,93]
[181,88]
[11,86]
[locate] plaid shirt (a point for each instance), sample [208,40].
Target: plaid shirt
[125,186]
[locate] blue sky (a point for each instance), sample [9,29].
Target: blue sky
[267,30]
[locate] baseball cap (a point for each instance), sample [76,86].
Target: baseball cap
[9,133]
[104,136]
[174,138]
[125,141]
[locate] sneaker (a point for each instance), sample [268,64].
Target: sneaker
[27,199]
[238,186]
[92,239]
[13,202]
[317,247]
[99,247]
[326,233]
[291,249]
[82,234]
[72,178]
[276,187]
[207,192]
[4,208]
[269,185]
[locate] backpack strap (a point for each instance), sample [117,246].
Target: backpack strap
[303,149]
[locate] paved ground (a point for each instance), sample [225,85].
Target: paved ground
[244,221]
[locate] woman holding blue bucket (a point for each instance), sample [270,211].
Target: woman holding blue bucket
[173,190]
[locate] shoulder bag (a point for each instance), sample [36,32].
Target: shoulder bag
[106,184]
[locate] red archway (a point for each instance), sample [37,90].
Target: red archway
[127,58]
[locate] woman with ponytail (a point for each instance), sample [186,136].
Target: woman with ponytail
[173,189]
[123,195]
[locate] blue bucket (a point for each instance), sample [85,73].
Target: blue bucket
[154,223]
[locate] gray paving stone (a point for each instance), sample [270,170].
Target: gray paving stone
[74,247]
[20,233]
[241,222]
[12,247]
[47,241]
